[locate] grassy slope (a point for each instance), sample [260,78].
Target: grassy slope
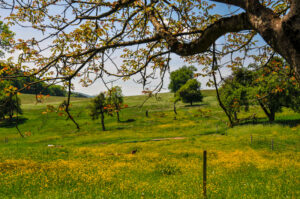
[95,164]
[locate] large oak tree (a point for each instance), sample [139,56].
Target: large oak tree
[80,37]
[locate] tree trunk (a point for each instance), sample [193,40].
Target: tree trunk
[269,114]
[282,34]
[191,103]
[175,108]
[102,121]
[272,116]
[235,116]
[291,31]
[118,117]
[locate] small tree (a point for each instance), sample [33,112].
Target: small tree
[10,103]
[115,100]
[179,77]
[190,92]
[235,92]
[98,107]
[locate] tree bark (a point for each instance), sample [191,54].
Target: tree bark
[235,116]
[282,34]
[102,121]
[118,117]
[270,114]
[174,109]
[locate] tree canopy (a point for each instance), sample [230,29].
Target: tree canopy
[84,36]
[9,104]
[270,86]
[98,108]
[179,77]
[6,37]
[190,92]
[275,87]
[115,99]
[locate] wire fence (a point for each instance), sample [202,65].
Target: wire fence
[272,143]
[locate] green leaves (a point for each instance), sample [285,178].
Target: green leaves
[179,77]
[10,103]
[271,86]
[6,38]
[190,92]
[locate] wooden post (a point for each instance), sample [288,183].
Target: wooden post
[204,173]
[147,115]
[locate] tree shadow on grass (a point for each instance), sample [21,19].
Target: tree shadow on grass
[195,105]
[11,123]
[128,121]
[264,121]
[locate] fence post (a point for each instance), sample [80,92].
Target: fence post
[204,172]
[147,115]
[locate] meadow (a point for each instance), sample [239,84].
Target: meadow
[159,156]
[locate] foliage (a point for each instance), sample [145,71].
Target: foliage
[272,86]
[180,76]
[6,37]
[98,108]
[30,85]
[10,103]
[115,101]
[275,87]
[190,92]
[236,91]
[35,86]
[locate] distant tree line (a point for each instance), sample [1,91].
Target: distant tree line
[38,87]
[33,86]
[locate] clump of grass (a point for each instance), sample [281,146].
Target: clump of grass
[167,169]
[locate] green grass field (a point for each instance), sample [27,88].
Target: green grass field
[55,160]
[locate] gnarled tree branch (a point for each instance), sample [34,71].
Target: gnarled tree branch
[208,37]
